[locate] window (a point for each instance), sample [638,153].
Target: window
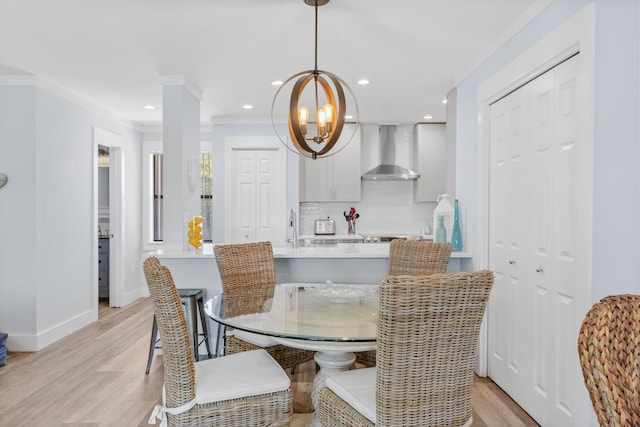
[157,197]
[206,195]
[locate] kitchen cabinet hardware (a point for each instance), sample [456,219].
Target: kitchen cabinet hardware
[512,261]
[539,270]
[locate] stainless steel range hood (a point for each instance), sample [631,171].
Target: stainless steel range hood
[388,170]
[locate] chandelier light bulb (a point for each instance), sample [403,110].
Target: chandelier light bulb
[328,112]
[303,117]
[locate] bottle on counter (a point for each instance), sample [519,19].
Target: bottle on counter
[456,235]
[444,209]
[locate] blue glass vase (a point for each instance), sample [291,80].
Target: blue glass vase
[456,236]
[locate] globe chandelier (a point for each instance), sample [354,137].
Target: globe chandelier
[316,135]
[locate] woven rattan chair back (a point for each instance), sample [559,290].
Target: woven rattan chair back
[248,275]
[177,353]
[609,351]
[418,257]
[428,330]
[413,258]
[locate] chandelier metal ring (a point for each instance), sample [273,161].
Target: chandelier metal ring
[299,139]
[300,143]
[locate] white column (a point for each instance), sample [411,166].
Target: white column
[181,146]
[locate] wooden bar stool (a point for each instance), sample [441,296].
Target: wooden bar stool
[194,300]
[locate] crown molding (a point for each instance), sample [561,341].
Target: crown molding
[66,94]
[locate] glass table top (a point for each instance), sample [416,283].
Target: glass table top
[307,311]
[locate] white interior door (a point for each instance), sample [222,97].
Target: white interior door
[537,251]
[255,203]
[116,213]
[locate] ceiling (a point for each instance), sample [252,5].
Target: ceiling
[118,53]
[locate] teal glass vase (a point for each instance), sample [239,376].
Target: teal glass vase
[441,232]
[456,236]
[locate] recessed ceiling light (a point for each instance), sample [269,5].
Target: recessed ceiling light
[149,107]
[428,117]
[277,82]
[247,106]
[444,101]
[363,82]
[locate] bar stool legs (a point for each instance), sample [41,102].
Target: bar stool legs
[195,300]
[152,345]
[205,328]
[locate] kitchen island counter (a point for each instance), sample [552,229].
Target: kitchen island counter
[340,250]
[341,263]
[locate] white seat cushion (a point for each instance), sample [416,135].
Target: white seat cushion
[247,373]
[255,339]
[358,388]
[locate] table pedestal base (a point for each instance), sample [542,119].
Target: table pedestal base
[330,362]
[332,357]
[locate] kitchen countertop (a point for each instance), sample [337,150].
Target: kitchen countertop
[340,250]
[330,237]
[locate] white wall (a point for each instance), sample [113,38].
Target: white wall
[616,208]
[18,211]
[616,214]
[47,286]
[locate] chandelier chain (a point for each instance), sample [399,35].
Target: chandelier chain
[316,35]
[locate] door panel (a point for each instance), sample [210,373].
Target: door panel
[535,194]
[256,204]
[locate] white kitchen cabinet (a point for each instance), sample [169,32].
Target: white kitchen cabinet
[335,178]
[103,267]
[430,157]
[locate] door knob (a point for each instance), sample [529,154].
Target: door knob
[539,270]
[512,261]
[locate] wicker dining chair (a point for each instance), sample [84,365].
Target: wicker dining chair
[418,257]
[609,351]
[428,330]
[411,257]
[248,389]
[248,275]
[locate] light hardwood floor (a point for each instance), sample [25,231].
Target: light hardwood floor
[95,377]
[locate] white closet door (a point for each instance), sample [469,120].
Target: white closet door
[537,251]
[509,306]
[255,196]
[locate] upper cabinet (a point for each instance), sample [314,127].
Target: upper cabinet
[430,155]
[335,178]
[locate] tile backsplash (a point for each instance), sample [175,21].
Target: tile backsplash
[385,207]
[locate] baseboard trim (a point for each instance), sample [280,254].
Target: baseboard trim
[41,340]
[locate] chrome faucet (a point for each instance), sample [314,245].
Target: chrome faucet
[294,230]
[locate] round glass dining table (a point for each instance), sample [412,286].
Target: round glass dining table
[335,320]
